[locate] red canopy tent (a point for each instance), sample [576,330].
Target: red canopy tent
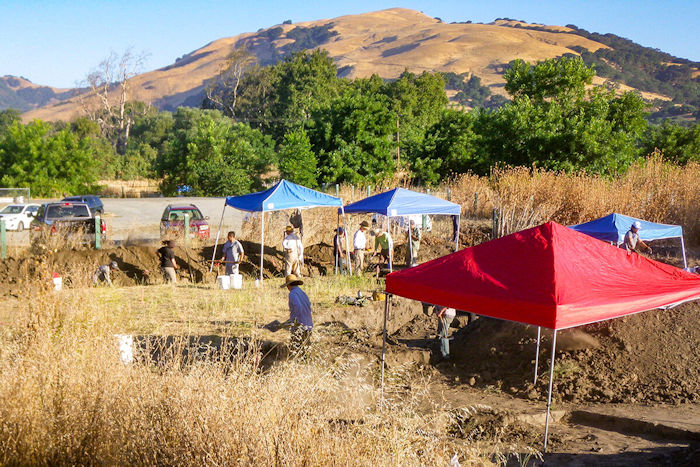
[549,276]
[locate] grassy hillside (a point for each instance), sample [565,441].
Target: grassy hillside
[386,43]
[21,94]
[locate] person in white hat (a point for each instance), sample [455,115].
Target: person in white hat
[633,241]
[293,252]
[300,323]
[103,273]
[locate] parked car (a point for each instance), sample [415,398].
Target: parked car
[172,222]
[18,216]
[94,202]
[65,218]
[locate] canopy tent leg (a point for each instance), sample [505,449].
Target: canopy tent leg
[216,242]
[391,248]
[457,236]
[335,244]
[347,241]
[549,395]
[387,304]
[685,261]
[262,243]
[537,353]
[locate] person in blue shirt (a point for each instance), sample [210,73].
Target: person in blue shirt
[300,322]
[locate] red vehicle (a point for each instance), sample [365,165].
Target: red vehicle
[172,222]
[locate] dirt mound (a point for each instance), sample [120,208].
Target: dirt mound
[649,357]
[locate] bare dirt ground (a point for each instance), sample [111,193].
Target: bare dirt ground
[625,391]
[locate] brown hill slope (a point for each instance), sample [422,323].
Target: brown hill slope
[20,93]
[384,43]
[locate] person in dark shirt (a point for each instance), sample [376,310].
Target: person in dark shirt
[167,261]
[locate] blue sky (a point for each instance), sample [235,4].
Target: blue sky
[57,42]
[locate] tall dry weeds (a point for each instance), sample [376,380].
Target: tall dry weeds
[68,399]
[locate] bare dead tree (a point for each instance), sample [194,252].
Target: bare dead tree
[108,92]
[223,90]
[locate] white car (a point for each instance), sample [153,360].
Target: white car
[18,216]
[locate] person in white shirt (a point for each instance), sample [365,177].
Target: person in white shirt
[293,252]
[359,245]
[232,253]
[633,241]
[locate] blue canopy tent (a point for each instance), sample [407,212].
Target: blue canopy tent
[283,195]
[613,227]
[401,202]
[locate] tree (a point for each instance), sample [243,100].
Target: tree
[562,79]
[214,155]
[222,92]
[7,118]
[298,162]
[678,144]
[50,163]
[108,94]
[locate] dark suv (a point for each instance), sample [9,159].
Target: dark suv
[64,219]
[93,202]
[172,222]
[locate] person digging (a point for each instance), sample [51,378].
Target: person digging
[102,275]
[300,323]
[633,242]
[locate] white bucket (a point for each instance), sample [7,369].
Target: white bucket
[236,281]
[57,282]
[126,347]
[224,282]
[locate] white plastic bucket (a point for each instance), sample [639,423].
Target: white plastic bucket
[126,347]
[224,282]
[57,282]
[236,281]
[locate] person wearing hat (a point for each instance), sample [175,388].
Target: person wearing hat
[103,273]
[359,245]
[633,241]
[300,323]
[168,265]
[293,252]
[339,252]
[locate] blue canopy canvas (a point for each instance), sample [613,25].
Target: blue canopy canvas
[613,227]
[284,195]
[403,202]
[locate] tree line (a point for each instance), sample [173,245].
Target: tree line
[299,120]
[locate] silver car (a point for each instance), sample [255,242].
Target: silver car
[18,216]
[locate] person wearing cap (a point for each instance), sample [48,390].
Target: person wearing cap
[168,265]
[300,323]
[414,237]
[232,253]
[338,249]
[293,252]
[103,273]
[384,247]
[633,241]
[359,245]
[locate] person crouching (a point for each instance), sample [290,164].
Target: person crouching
[300,323]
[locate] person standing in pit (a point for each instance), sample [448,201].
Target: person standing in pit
[414,236]
[168,264]
[633,241]
[359,245]
[445,317]
[339,249]
[384,247]
[293,252]
[232,253]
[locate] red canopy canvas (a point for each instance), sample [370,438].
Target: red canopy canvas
[549,276]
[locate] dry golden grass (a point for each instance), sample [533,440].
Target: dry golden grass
[68,399]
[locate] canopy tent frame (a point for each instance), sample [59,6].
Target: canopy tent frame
[266,206]
[612,228]
[404,284]
[437,207]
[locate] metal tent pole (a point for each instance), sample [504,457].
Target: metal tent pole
[387,304]
[685,262]
[537,353]
[262,243]
[348,264]
[457,239]
[335,244]
[549,396]
[216,242]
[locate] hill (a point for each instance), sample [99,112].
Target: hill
[21,94]
[385,43]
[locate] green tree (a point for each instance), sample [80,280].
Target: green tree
[50,163]
[678,144]
[214,155]
[8,117]
[298,162]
